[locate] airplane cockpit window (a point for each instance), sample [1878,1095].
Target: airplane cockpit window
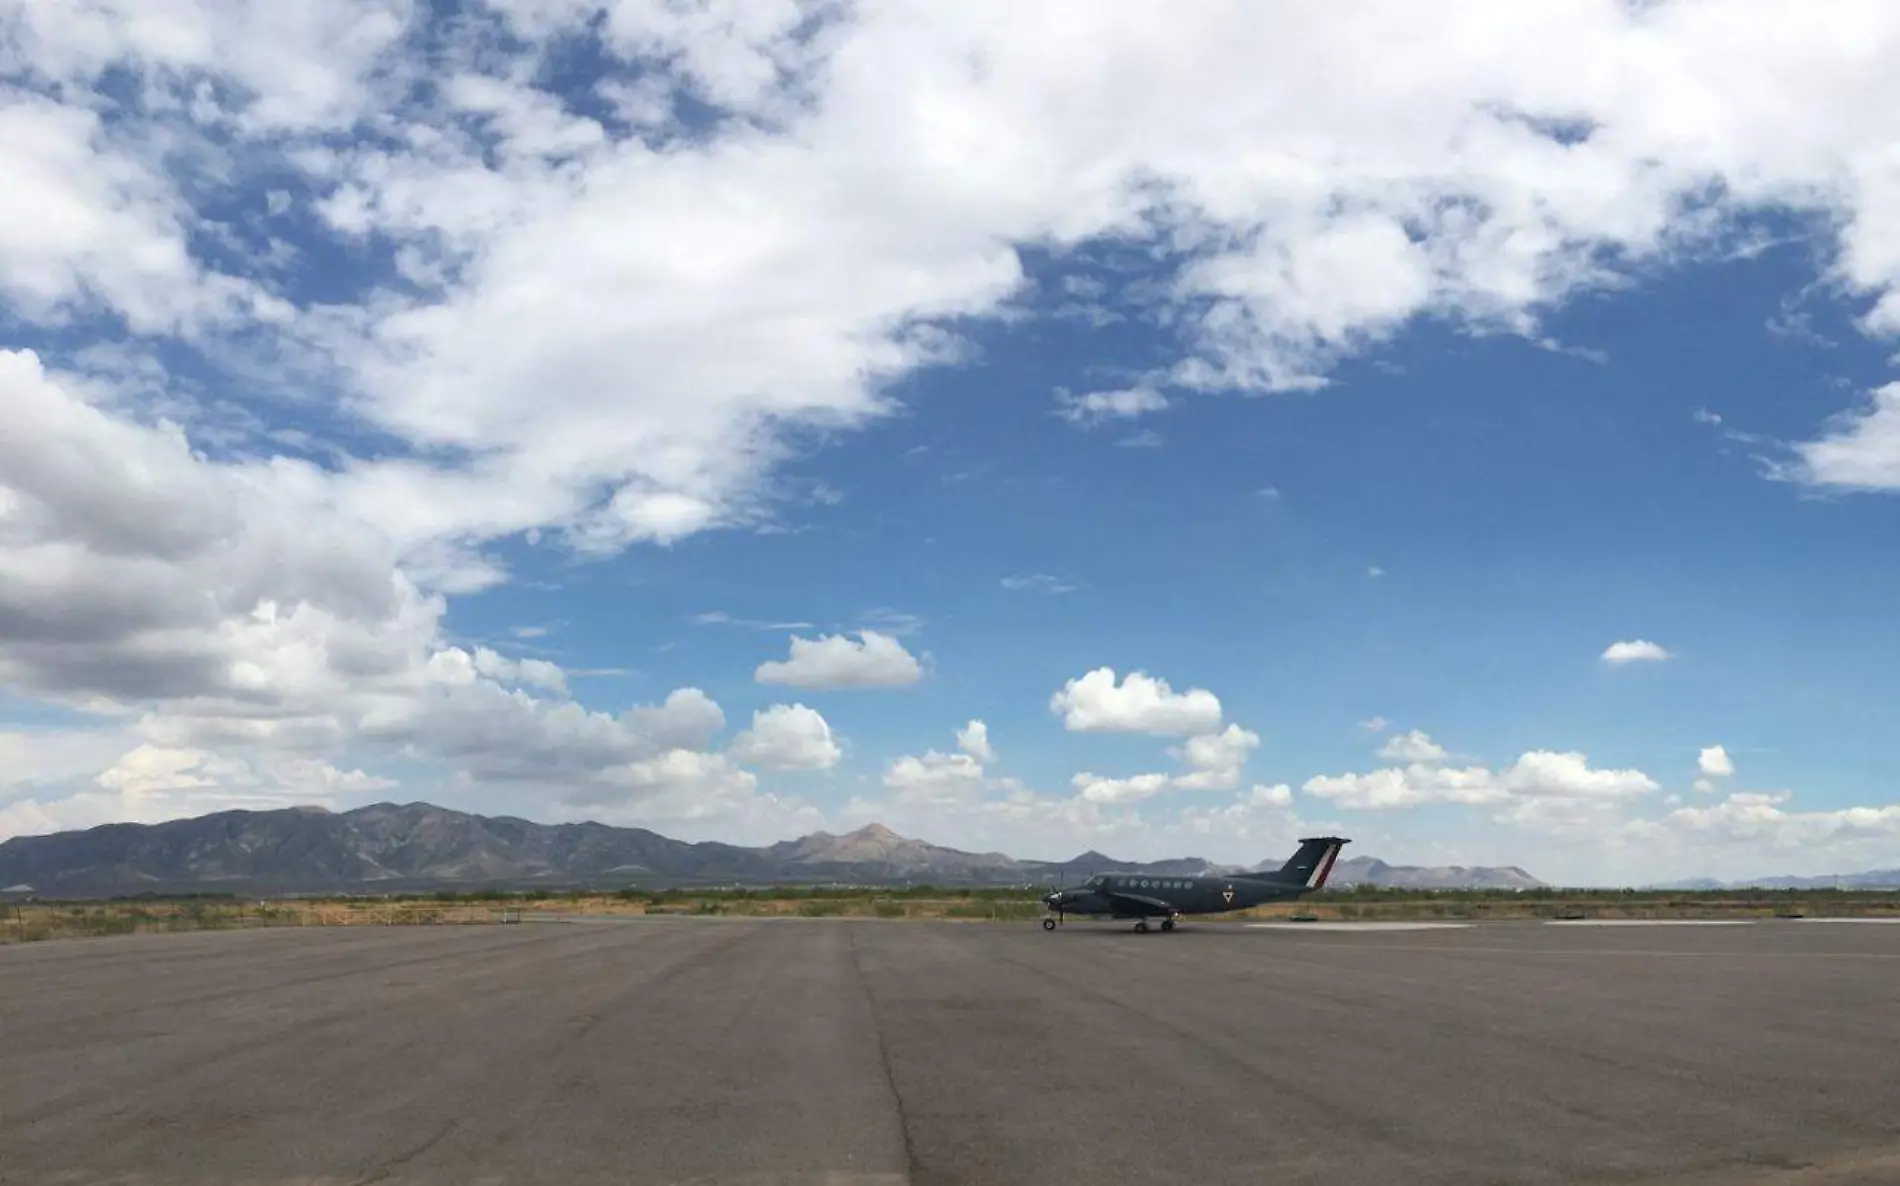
[1095,882]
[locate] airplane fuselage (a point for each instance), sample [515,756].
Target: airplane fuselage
[1137,896]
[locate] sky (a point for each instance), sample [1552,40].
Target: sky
[1470,429]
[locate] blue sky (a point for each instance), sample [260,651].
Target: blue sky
[470,411]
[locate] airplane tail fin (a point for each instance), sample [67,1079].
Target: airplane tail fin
[1311,865]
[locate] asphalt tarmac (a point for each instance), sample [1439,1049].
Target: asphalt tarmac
[854,1053]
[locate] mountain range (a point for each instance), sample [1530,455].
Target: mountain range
[1872,879]
[389,847]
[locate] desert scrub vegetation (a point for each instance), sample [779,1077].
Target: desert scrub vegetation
[32,920]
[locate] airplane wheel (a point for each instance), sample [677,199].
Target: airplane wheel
[1048,924]
[1167,924]
[1141,928]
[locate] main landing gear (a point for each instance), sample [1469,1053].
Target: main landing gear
[1141,925]
[1049,924]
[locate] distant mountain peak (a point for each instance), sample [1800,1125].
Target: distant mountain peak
[1373,871]
[386,845]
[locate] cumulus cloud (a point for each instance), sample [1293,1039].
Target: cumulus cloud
[1214,760]
[835,661]
[586,382]
[1257,820]
[149,783]
[1715,762]
[538,672]
[529,368]
[1139,703]
[786,737]
[1634,651]
[950,779]
[974,740]
[1540,775]
[936,777]
[1759,833]
[1280,795]
[1415,746]
[1094,788]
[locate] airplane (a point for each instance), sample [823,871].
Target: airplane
[1141,897]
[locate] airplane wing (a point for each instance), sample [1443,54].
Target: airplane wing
[1143,902]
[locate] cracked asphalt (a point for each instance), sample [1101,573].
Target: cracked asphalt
[858,1053]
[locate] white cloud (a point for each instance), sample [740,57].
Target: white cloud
[1038,582]
[834,661]
[1097,702]
[937,778]
[538,672]
[1714,762]
[1415,746]
[1374,724]
[1280,795]
[1097,407]
[1540,775]
[678,784]
[1636,651]
[786,737]
[1760,825]
[1860,448]
[1310,226]
[1093,788]
[974,740]
[1215,760]
[950,779]
[150,783]
[1410,786]
[1259,822]
[1307,191]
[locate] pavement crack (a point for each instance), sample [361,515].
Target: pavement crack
[911,1166]
[401,1159]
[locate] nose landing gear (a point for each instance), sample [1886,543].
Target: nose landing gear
[1049,924]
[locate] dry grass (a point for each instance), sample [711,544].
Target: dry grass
[31,921]
[35,921]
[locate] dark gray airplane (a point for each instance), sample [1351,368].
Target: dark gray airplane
[1141,897]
